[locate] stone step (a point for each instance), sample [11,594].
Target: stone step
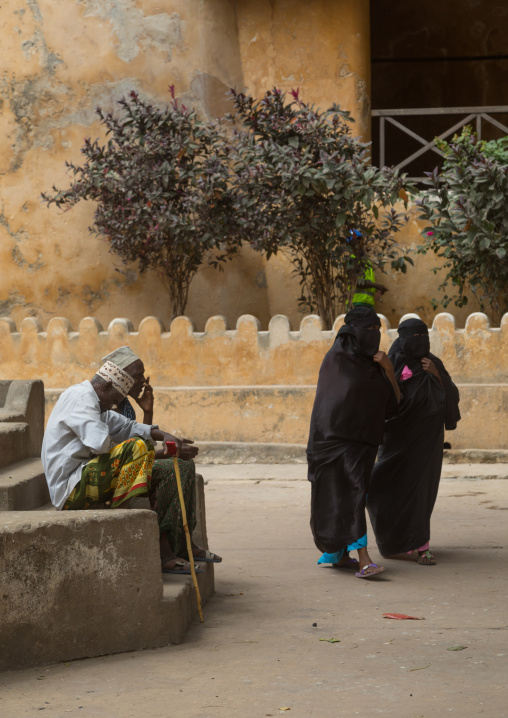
[23,486]
[14,442]
[179,600]
[298,472]
[242,452]
[236,452]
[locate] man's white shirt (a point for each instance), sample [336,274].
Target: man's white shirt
[76,431]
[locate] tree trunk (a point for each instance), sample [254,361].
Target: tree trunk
[177,286]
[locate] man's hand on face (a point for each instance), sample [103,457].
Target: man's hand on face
[145,399]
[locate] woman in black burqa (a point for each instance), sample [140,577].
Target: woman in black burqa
[405,480]
[356,390]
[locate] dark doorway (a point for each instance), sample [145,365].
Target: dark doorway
[452,53]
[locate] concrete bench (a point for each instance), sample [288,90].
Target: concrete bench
[76,584]
[86,583]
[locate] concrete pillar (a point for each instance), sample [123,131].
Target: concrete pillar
[219,56]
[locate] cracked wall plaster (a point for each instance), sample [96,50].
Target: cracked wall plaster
[135,31]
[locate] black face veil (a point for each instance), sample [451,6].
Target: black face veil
[414,339]
[412,345]
[357,323]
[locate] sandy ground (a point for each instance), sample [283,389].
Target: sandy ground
[258,653]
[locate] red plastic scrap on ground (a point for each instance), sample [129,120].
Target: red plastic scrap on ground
[402,617]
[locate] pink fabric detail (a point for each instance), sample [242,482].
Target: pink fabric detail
[425,547]
[406,373]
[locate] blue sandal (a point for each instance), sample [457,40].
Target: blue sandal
[182,567]
[209,557]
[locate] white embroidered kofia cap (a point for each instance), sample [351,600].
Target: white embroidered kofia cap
[122,357]
[122,381]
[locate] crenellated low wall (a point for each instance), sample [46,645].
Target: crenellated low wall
[251,385]
[219,356]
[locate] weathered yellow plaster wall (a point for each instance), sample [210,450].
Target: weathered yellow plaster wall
[59,61]
[62,59]
[322,47]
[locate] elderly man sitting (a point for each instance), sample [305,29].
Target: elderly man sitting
[92,455]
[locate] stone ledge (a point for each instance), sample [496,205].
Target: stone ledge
[476,456]
[231,452]
[234,452]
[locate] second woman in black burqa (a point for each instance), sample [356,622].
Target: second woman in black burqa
[356,391]
[405,480]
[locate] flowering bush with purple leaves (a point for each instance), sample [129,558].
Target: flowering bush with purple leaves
[466,210]
[161,189]
[305,186]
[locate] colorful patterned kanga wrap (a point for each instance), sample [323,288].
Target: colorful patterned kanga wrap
[165,502]
[122,473]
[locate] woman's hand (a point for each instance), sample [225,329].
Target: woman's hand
[428,365]
[385,362]
[382,359]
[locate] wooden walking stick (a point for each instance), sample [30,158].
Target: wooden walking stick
[172,446]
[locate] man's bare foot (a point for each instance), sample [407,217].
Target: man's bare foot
[167,554]
[202,554]
[426,558]
[178,565]
[169,563]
